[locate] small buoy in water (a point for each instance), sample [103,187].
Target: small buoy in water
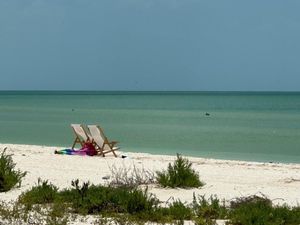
[207,114]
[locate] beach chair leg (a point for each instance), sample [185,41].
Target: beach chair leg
[114,153]
[75,141]
[111,146]
[100,153]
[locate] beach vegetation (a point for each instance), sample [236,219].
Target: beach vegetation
[93,199]
[208,210]
[16,213]
[42,193]
[179,211]
[256,210]
[46,204]
[131,176]
[179,174]
[9,175]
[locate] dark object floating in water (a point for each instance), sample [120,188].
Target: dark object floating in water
[207,114]
[73,110]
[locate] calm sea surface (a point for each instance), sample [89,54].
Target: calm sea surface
[240,125]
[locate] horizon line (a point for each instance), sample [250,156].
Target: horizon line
[161,91]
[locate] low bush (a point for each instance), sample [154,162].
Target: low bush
[13,213]
[180,174]
[93,199]
[90,199]
[44,192]
[208,210]
[178,211]
[44,203]
[9,176]
[124,205]
[131,176]
[255,210]
[138,201]
[57,214]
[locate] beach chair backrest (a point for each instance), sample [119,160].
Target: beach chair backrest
[97,134]
[87,132]
[79,131]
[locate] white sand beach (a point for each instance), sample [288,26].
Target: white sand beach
[224,178]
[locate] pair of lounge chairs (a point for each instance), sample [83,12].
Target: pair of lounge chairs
[93,134]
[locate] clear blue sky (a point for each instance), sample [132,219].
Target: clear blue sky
[150,45]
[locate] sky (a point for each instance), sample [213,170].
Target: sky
[183,45]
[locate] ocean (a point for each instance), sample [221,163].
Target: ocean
[253,126]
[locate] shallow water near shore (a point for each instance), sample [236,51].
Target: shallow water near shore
[256,126]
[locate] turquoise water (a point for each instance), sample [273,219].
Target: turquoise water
[241,125]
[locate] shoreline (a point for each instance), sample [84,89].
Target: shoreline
[144,151]
[227,179]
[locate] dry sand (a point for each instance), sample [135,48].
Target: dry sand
[224,178]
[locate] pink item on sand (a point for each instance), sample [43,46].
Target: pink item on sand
[87,149]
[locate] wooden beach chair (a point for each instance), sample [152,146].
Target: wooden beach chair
[102,145]
[81,135]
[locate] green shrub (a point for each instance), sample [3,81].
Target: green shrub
[180,174]
[174,211]
[208,210]
[95,199]
[256,210]
[42,193]
[179,211]
[9,177]
[139,201]
[57,214]
[15,213]
[54,207]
